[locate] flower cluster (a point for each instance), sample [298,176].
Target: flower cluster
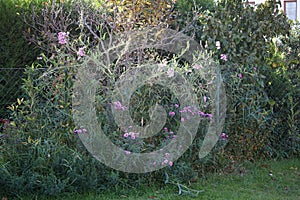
[79,131]
[193,112]
[169,134]
[166,160]
[132,135]
[118,106]
[223,57]
[62,37]
[224,136]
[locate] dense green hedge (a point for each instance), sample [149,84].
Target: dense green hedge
[16,52]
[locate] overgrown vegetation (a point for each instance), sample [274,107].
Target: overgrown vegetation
[258,53]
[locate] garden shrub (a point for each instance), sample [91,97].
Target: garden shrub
[283,89]
[41,151]
[241,37]
[16,52]
[48,157]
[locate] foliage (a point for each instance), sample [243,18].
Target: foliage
[241,37]
[244,32]
[40,149]
[15,52]
[42,153]
[283,89]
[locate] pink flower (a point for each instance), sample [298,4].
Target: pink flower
[62,37]
[119,106]
[132,136]
[224,136]
[254,68]
[240,75]
[78,131]
[171,114]
[182,119]
[196,66]
[204,99]
[81,52]
[170,163]
[167,155]
[166,129]
[127,152]
[223,57]
[208,115]
[176,105]
[202,114]
[126,135]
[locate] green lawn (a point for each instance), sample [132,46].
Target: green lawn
[264,180]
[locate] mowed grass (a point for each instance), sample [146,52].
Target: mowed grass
[269,180]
